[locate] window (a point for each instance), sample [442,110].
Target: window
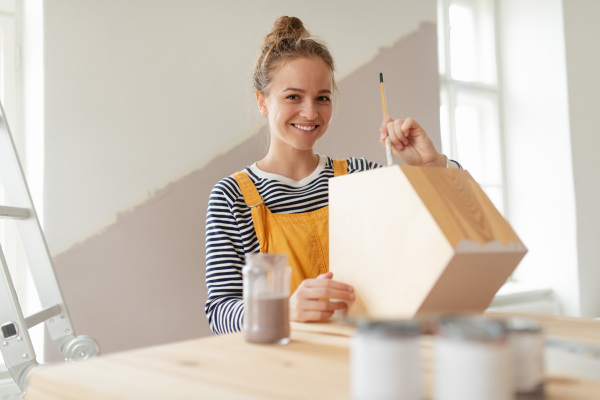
[469,93]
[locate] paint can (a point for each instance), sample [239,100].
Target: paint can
[526,340]
[472,359]
[385,361]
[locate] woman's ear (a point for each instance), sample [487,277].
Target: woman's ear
[261,103]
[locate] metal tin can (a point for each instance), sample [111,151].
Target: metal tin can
[527,347]
[472,359]
[385,361]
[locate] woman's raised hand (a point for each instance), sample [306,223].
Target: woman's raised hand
[410,142]
[317,299]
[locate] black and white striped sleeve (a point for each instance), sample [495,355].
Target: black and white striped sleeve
[360,164]
[224,259]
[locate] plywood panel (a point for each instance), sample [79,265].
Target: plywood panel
[413,240]
[460,206]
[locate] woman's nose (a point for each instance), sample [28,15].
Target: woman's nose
[309,110]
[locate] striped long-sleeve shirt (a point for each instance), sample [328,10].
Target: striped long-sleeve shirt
[230,232]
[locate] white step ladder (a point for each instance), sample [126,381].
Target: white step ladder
[15,342]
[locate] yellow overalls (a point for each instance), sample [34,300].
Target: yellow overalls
[304,237]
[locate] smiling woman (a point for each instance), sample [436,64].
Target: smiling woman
[280,203]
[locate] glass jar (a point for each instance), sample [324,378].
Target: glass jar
[266,298]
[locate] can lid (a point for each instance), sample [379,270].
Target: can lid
[395,328]
[523,325]
[471,328]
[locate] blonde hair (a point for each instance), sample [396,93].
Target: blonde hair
[288,40]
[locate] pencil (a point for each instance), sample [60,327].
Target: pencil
[388,142]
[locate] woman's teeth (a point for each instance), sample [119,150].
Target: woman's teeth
[305,128]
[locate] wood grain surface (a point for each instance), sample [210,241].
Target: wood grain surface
[459,205]
[412,240]
[315,365]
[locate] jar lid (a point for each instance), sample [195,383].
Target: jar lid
[267,260]
[471,328]
[395,328]
[523,325]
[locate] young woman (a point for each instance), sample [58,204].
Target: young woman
[280,203]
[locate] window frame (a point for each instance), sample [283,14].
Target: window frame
[450,88]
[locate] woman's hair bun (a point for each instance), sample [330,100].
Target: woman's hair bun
[286,28]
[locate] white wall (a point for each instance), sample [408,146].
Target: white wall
[582,39]
[140,92]
[549,64]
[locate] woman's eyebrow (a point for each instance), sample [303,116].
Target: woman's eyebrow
[291,89]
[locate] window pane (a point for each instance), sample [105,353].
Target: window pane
[462,42]
[472,42]
[477,136]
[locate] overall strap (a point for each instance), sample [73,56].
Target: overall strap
[257,208]
[340,167]
[251,196]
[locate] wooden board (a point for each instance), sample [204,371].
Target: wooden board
[460,207]
[315,365]
[224,367]
[414,240]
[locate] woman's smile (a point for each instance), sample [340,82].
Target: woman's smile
[305,128]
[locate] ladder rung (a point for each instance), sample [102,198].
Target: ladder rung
[42,316]
[14,212]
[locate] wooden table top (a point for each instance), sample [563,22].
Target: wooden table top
[314,365]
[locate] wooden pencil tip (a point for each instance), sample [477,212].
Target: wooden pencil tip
[381,77]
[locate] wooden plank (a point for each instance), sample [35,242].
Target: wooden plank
[414,240]
[582,330]
[373,247]
[314,365]
[224,367]
[459,205]
[469,282]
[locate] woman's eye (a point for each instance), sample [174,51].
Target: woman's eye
[324,99]
[293,97]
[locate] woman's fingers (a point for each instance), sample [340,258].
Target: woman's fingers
[327,275]
[383,127]
[318,305]
[410,142]
[327,293]
[312,316]
[316,310]
[325,288]
[326,283]
[398,136]
[400,131]
[317,299]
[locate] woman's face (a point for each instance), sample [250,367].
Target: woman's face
[299,105]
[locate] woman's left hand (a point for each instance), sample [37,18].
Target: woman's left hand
[410,142]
